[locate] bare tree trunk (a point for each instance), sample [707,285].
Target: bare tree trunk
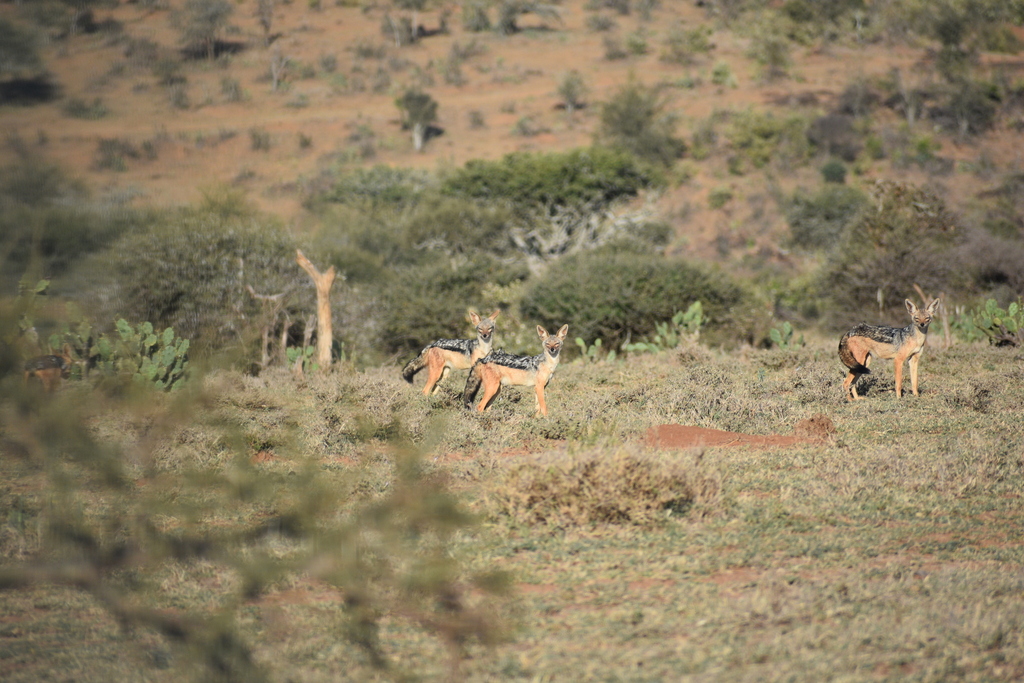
[419,133]
[272,304]
[278,64]
[282,347]
[324,282]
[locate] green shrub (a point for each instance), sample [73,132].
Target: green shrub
[636,119]
[428,302]
[816,221]
[1001,326]
[901,238]
[376,187]
[719,196]
[760,137]
[191,272]
[770,46]
[112,153]
[721,74]
[834,171]
[683,46]
[783,338]
[80,109]
[616,295]
[592,177]
[46,223]
[684,326]
[474,17]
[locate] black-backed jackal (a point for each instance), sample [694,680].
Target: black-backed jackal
[49,369]
[445,354]
[499,368]
[899,344]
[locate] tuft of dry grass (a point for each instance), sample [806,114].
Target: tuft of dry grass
[623,486]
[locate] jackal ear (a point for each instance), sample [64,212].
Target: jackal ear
[474,317]
[910,306]
[933,306]
[542,333]
[564,331]
[494,316]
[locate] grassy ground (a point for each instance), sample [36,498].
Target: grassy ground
[892,551]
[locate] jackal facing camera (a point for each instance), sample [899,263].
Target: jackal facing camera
[443,355]
[499,368]
[900,344]
[49,369]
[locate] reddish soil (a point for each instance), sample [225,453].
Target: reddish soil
[814,429]
[505,80]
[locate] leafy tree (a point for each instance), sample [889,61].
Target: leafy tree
[590,178]
[635,119]
[901,238]
[572,90]
[816,221]
[617,294]
[419,110]
[18,50]
[265,14]
[510,10]
[201,23]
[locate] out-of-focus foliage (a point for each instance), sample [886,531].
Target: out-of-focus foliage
[593,178]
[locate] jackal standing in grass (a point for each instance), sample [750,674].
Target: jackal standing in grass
[49,369]
[499,368]
[896,343]
[445,354]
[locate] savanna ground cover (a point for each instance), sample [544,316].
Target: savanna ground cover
[753,176]
[887,550]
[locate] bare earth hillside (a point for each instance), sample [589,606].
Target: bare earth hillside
[335,105]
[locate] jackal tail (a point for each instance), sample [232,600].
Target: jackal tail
[473,383]
[849,360]
[413,366]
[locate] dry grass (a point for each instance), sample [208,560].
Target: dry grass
[892,552]
[622,486]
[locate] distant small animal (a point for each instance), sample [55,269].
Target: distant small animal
[49,369]
[444,355]
[900,344]
[499,368]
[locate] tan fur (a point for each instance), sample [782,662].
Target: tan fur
[439,362]
[49,370]
[901,345]
[492,376]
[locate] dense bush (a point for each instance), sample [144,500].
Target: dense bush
[816,221]
[191,272]
[46,224]
[377,186]
[835,134]
[429,302]
[592,177]
[758,138]
[903,237]
[637,120]
[616,294]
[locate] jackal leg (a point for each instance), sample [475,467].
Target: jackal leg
[435,371]
[850,383]
[542,408]
[913,372]
[491,389]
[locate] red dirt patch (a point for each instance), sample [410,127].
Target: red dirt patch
[814,429]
